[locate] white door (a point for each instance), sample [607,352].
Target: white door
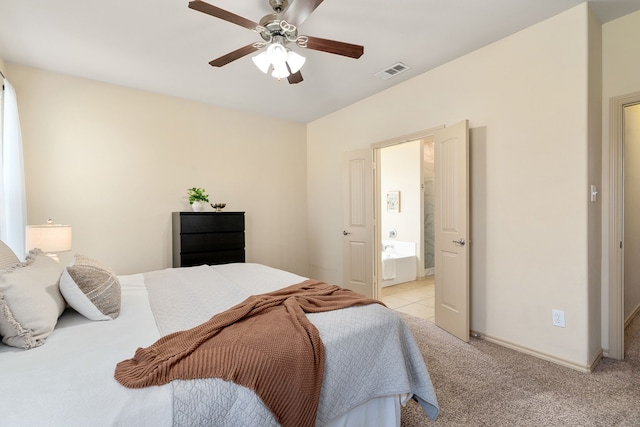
[452,229]
[357,220]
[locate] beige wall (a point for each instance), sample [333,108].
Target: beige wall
[620,76]
[526,98]
[115,162]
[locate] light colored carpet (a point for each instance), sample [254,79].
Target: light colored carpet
[484,384]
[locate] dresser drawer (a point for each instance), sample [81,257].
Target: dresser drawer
[211,222]
[209,242]
[212,258]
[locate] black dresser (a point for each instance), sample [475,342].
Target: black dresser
[207,238]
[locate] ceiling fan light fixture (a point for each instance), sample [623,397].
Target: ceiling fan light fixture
[295,61]
[282,61]
[280,71]
[262,62]
[277,54]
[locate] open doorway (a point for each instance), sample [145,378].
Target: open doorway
[406,197]
[451,222]
[631,228]
[624,244]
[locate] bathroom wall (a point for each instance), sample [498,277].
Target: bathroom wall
[400,171]
[429,201]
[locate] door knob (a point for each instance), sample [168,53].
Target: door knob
[459,242]
[345,233]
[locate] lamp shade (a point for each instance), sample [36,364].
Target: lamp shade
[280,71]
[262,62]
[48,237]
[295,61]
[277,54]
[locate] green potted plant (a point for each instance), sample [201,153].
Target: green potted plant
[197,196]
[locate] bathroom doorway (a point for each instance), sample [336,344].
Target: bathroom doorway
[406,175]
[451,220]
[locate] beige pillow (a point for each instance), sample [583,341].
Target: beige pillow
[7,257]
[91,289]
[30,301]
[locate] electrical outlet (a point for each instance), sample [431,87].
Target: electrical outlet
[558,318]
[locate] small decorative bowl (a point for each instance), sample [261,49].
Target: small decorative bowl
[218,206]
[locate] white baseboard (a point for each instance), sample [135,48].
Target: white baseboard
[540,355]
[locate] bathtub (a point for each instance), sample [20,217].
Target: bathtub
[399,262]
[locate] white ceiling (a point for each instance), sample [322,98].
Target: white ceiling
[164,47]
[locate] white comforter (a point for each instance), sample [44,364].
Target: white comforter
[69,380]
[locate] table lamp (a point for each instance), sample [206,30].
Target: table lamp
[50,238]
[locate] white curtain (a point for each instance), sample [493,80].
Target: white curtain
[13,203]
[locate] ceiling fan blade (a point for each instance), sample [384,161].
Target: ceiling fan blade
[299,10]
[212,10]
[295,77]
[232,56]
[338,48]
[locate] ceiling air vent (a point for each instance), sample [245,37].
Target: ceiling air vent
[392,71]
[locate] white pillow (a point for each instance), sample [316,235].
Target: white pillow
[91,289]
[30,301]
[7,257]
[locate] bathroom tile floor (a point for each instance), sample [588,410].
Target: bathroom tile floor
[415,298]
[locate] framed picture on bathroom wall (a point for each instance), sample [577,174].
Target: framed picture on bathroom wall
[393,201]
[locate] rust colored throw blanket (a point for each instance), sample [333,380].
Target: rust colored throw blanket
[266,344]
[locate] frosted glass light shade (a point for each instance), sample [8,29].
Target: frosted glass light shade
[277,54]
[280,71]
[48,237]
[295,61]
[262,62]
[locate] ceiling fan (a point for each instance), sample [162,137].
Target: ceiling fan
[277,30]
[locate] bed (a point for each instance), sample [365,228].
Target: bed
[372,363]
